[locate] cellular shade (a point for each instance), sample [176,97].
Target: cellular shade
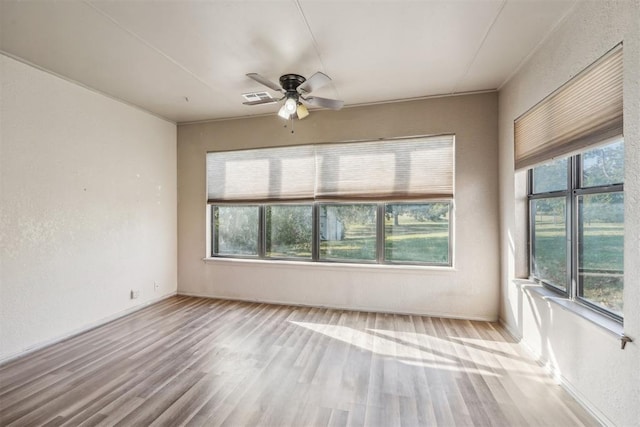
[261,175]
[584,111]
[416,168]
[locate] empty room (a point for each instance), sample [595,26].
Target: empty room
[320,213]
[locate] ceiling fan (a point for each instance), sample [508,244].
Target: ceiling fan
[295,89]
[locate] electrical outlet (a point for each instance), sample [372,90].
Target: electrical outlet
[135,294]
[156,286]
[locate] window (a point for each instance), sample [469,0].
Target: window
[369,202]
[235,230]
[576,203]
[348,232]
[288,231]
[391,233]
[549,223]
[576,208]
[549,241]
[417,232]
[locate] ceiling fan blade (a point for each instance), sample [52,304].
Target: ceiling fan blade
[261,102]
[314,82]
[264,81]
[332,104]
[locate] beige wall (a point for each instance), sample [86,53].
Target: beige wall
[87,208]
[586,358]
[469,290]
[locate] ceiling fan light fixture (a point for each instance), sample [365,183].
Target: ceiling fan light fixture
[289,108]
[302,111]
[290,105]
[284,113]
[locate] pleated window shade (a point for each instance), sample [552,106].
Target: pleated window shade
[416,168]
[261,175]
[584,111]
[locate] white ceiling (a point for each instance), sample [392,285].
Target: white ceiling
[186,60]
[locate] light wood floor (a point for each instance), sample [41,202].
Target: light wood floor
[211,362]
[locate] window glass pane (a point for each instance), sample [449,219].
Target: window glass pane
[549,241]
[348,232]
[550,176]
[235,230]
[603,166]
[600,249]
[417,233]
[289,231]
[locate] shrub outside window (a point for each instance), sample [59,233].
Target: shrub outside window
[288,231]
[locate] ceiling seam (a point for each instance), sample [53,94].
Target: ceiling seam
[484,39]
[315,43]
[537,47]
[149,45]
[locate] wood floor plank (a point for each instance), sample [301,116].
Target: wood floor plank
[421,390]
[207,362]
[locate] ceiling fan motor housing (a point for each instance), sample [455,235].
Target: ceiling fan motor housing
[290,82]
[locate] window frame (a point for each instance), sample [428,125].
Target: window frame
[380,233]
[262,218]
[573,191]
[568,207]
[376,259]
[382,242]
[212,230]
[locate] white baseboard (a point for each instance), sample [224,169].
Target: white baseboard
[339,307]
[39,346]
[582,400]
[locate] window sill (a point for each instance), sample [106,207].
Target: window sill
[607,324]
[336,266]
